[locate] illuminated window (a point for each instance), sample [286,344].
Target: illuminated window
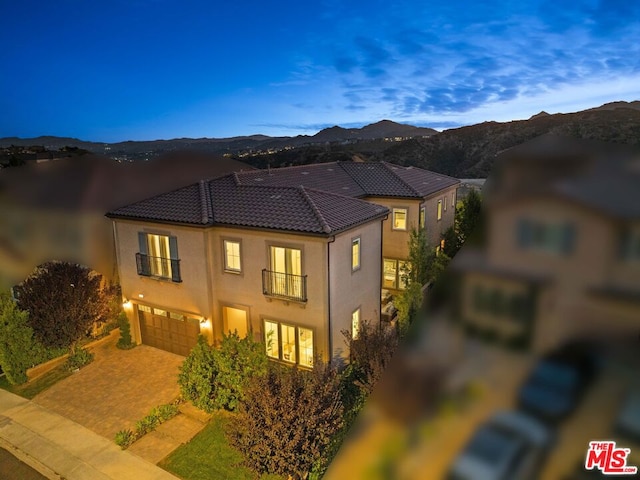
[232,256]
[272,339]
[394,273]
[423,215]
[159,311]
[439,209]
[355,323]
[289,343]
[158,256]
[305,342]
[399,218]
[355,254]
[144,308]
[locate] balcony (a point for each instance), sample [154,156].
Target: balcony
[284,285]
[158,267]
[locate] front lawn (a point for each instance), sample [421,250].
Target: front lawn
[208,456]
[40,384]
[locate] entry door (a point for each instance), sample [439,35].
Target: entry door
[235,320]
[287,263]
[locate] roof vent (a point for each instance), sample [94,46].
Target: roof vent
[345,188]
[329,169]
[258,179]
[275,196]
[304,173]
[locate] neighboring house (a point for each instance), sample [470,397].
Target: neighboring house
[415,198]
[55,210]
[562,254]
[294,266]
[293,256]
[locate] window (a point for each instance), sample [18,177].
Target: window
[272,339]
[158,256]
[289,343]
[144,308]
[453,200]
[423,215]
[555,238]
[399,218]
[355,323]
[445,204]
[355,254]
[439,209]
[232,256]
[159,311]
[394,273]
[284,278]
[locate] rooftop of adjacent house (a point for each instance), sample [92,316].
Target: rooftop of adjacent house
[355,179]
[226,201]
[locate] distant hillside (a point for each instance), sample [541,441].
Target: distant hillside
[469,152]
[466,152]
[135,150]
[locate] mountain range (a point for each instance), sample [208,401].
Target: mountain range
[465,152]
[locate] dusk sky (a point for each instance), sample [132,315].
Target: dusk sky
[147,69]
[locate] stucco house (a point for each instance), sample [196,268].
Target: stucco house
[293,256]
[561,261]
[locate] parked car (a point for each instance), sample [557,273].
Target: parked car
[557,383]
[509,446]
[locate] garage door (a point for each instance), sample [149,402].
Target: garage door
[168,331]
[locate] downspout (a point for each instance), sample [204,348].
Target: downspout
[333,239]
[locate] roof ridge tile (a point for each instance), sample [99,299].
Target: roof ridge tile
[390,170]
[325,226]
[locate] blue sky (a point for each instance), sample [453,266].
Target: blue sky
[146,69]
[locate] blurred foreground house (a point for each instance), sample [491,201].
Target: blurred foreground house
[55,210]
[292,256]
[561,260]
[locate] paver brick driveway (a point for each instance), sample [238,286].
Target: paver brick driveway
[117,389]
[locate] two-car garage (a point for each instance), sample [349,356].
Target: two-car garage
[170,331]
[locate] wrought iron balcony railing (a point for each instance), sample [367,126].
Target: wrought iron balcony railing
[284,285]
[161,267]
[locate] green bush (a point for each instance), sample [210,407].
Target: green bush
[146,425]
[157,416]
[218,377]
[79,359]
[124,438]
[16,341]
[124,342]
[197,375]
[237,361]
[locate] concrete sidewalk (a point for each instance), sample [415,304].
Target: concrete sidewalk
[60,448]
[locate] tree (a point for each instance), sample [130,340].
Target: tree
[416,269]
[370,353]
[288,420]
[468,216]
[124,342]
[451,242]
[63,300]
[197,374]
[16,341]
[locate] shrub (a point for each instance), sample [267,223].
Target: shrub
[146,424]
[288,419]
[217,377]
[17,346]
[124,438]
[124,342]
[197,374]
[79,358]
[237,360]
